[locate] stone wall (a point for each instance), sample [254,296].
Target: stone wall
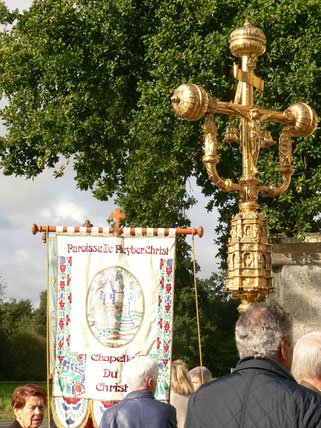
[297,280]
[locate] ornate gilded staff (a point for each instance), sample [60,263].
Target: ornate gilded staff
[249,249]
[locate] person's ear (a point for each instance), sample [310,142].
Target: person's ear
[286,352]
[151,385]
[283,348]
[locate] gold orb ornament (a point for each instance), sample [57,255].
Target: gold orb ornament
[247,40]
[306,120]
[190,102]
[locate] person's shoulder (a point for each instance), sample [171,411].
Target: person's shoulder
[207,390]
[304,393]
[163,404]
[110,412]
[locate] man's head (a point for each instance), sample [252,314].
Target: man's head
[265,331]
[141,373]
[196,376]
[307,358]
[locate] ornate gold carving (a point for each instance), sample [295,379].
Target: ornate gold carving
[249,251]
[190,102]
[306,120]
[249,257]
[247,40]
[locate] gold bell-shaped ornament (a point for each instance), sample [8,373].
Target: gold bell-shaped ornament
[266,139]
[230,134]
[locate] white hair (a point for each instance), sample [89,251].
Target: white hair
[137,372]
[196,372]
[307,355]
[260,330]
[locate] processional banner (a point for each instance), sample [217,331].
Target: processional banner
[113,301]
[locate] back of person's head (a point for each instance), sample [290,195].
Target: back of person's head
[197,372]
[181,382]
[307,356]
[260,330]
[137,372]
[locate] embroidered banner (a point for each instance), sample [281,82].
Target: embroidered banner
[114,302]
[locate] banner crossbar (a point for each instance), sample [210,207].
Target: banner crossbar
[66,229]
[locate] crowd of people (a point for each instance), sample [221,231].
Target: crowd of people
[260,392]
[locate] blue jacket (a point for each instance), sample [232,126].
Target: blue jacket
[260,393]
[139,409]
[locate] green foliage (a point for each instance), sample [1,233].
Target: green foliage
[23,340]
[14,315]
[39,318]
[29,355]
[91,81]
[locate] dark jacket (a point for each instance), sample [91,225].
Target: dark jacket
[260,393]
[139,409]
[310,386]
[15,424]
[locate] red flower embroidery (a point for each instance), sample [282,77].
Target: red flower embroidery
[167,307]
[61,304]
[161,323]
[71,400]
[166,328]
[62,285]
[168,288]
[61,324]
[159,300]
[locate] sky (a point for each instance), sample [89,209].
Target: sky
[49,201]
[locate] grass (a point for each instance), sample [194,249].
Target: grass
[6,390]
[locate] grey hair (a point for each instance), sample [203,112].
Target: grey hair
[196,372]
[260,330]
[137,372]
[307,355]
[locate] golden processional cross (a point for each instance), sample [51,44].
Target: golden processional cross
[249,249]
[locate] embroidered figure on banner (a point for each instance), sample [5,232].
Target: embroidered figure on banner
[115,306]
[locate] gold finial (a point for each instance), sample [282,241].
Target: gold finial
[247,23]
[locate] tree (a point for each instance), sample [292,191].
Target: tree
[3,287]
[23,340]
[91,82]
[39,317]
